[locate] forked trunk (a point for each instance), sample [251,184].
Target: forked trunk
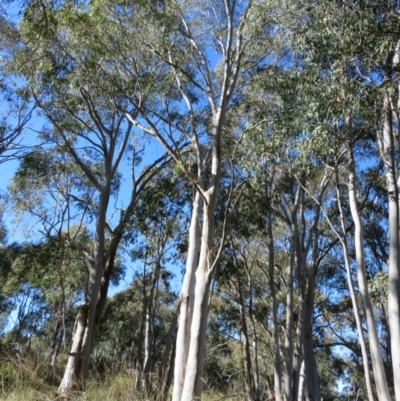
[195,364]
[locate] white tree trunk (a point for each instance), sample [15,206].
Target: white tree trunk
[300,393]
[72,369]
[388,156]
[361,339]
[187,300]
[376,357]
[193,379]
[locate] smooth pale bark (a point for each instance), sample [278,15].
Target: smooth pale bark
[374,344]
[193,379]
[274,322]
[72,369]
[300,393]
[360,332]
[387,147]
[189,369]
[187,300]
[192,386]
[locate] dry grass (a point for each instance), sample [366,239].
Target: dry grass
[30,378]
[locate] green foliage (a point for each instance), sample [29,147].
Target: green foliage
[308,69]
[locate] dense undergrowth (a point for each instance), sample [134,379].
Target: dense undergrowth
[28,376]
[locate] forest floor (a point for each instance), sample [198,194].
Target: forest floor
[32,379]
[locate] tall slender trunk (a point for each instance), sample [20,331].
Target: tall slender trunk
[376,357]
[187,300]
[360,332]
[387,146]
[289,349]
[274,322]
[300,259]
[193,379]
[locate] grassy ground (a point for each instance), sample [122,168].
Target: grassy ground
[30,378]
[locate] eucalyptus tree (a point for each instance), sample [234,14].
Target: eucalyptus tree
[208,50]
[350,51]
[287,179]
[73,84]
